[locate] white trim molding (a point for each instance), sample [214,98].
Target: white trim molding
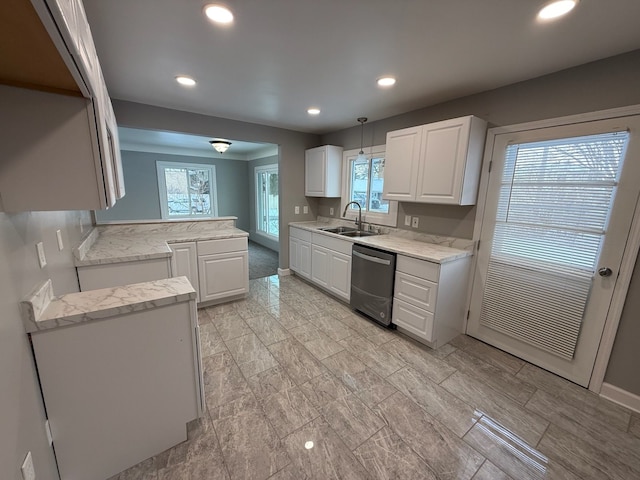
[620,396]
[284,272]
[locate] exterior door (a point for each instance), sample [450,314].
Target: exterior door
[557,215]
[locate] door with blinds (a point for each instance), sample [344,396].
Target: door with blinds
[557,215]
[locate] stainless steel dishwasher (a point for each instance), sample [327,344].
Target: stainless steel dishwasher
[372,276]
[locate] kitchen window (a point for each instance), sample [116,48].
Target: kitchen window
[187,190]
[364,179]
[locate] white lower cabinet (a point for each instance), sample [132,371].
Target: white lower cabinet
[324,260]
[429,298]
[300,252]
[184,262]
[223,269]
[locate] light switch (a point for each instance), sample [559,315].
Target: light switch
[415,221]
[41,258]
[407,220]
[59,237]
[305,209]
[296,210]
[331,211]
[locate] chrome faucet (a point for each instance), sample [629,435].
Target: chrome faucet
[359,221]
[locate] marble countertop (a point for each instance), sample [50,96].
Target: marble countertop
[43,311]
[401,242]
[117,245]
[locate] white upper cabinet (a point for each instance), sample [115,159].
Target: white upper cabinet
[61,150]
[322,171]
[435,163]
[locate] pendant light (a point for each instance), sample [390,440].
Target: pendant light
[361,155]
[220,146]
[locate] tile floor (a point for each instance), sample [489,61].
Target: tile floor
[299,387]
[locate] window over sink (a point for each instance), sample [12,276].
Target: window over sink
[364,179]
[187,190]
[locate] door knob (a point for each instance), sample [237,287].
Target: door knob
[604,272]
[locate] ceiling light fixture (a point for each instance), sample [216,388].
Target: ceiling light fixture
[185,80]
[313,111]
[386,81]
[556,9]
[361,155]
[220,146]
[218,14]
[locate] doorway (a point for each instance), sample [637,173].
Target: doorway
[263,261]
[557,215]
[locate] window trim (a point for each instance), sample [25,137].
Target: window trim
[162,189]
[387,219]
[256,172]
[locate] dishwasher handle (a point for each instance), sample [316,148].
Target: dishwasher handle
[371,259]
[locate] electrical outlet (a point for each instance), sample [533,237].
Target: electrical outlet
[59,237]
[407,220]
[28,472]
[414,222]
[331,211]
[296,210]
[41,258]
[305,209]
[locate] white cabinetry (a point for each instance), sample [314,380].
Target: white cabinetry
[429,298]
[93,277]
[184,262]
[435,163]
[323,171]
[223,269]
[324,260]
[300,251]
[60,150]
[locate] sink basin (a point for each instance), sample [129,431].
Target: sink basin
[358,234]
[340,230]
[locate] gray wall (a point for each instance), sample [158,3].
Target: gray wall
[256,237]
[142,201]
[291,147]
[21,411]
[608,83]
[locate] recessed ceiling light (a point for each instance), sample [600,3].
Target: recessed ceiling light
[218,14]
[313,111]
[185,80]
[386,81]
[556,9]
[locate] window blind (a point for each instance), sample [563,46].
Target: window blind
[554,203]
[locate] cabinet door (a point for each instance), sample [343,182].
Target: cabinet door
[444,155]
[184,262]
[320,258]
[223,275]
[401,164]
[340,274]
[294,254]
[304,257]
[315,180]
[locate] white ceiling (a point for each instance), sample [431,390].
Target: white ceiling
[153,141]
[282,56]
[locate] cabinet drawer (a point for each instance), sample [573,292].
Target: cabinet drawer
[413,319]
[335,244]
[418,268]
[299,233]
[416,291]
[224,245]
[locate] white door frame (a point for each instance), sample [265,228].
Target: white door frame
[630,252]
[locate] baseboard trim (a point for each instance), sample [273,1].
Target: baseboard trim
[284,272]
[620,396]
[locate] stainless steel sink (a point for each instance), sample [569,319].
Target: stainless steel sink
[358,234]
[339,230]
